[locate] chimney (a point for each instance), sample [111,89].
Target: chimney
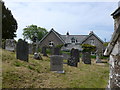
[91,32]
[67,33]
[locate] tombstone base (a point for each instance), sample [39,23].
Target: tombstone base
[59,71]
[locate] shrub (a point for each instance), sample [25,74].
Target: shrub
[88,47]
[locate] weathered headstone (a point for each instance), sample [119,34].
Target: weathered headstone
[86,57]
[10,44]
[22,50]
[44,51]
[56,63]
[37,56]
[72,62]
[74,58]
[75,53]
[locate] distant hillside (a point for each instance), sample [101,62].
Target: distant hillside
[37,74]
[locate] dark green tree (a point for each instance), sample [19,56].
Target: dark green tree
[9,24]
[32,32]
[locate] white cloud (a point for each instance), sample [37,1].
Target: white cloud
[76,17]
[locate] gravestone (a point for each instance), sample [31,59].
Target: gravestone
[86,57]
[56,63]
[44,51]
[74,57]
[75,53]
[22,50]
[37,56]
[10,44]
[72,62]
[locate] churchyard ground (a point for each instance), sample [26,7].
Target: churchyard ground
[37,74]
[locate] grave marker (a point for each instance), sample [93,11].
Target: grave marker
[10,44]
[22,50]
[56,63]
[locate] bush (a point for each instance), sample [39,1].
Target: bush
[93,56]
[88,47]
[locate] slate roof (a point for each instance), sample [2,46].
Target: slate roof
[67,38]
[56,33]
[92,33]
[79,38]
[116,12]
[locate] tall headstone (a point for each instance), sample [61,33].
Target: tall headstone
[56,63]
[10,44]
[74,58]
[22,50]
[86,57]
[75,53]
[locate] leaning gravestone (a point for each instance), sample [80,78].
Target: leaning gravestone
[56,63]
[86,57]
[74,58]
[44,51]
[10,44]
[22,50]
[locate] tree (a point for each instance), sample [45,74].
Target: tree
[9,24]
[88,47]
[32,32]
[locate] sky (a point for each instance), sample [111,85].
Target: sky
[75,17]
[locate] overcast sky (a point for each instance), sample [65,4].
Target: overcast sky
[79,18]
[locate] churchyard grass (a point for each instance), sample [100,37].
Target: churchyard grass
[37,74]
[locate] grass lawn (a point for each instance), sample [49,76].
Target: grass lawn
[37,74]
